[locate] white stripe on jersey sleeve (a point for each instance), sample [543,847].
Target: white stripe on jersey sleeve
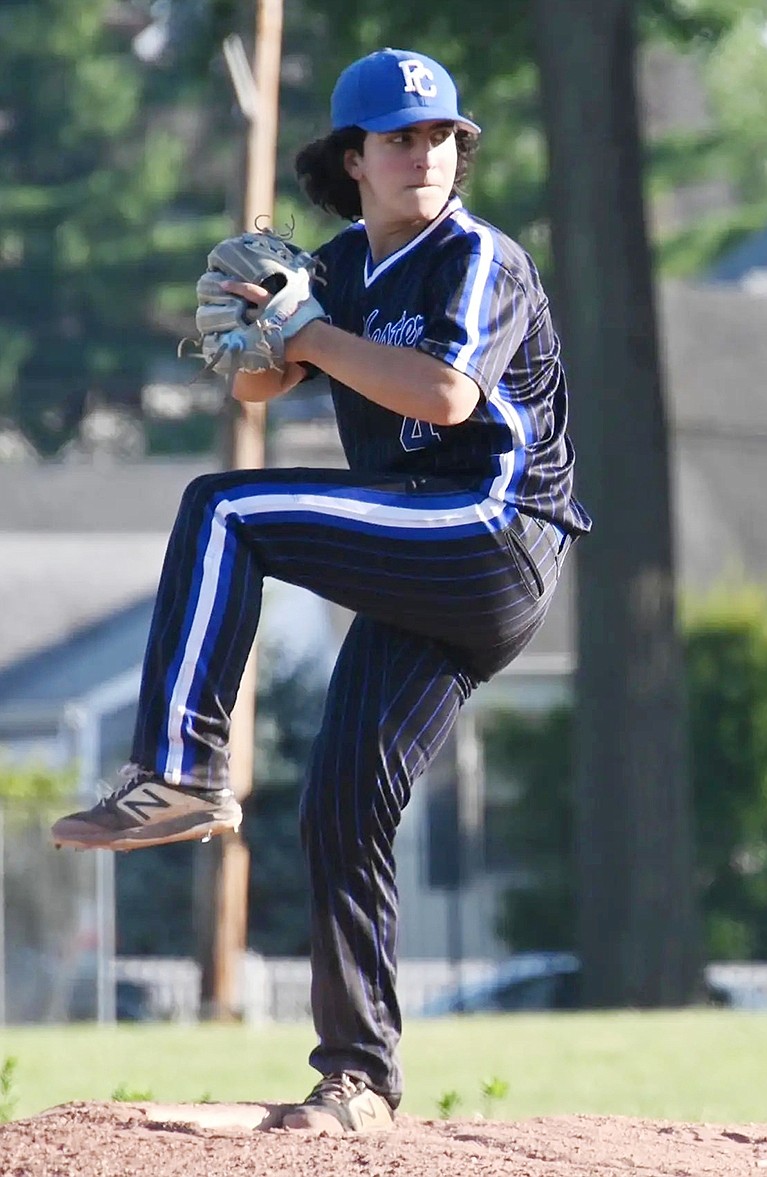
[479,282]
[503,405]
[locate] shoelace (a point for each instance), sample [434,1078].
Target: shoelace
[134,776]
[336,1087]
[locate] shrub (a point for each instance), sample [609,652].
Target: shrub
[725,643]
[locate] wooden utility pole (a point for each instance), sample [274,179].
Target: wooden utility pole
[223,880]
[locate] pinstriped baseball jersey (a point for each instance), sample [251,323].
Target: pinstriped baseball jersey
[465,293]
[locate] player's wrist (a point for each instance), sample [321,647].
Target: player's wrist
[301,347]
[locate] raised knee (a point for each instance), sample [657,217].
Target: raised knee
[203,495]
[201,488]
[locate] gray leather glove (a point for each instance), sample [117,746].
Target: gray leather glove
[234,333]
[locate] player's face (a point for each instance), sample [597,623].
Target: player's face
[405,176]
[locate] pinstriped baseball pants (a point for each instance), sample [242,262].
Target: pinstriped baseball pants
[448,587]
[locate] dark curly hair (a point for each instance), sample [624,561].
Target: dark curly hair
[326,182]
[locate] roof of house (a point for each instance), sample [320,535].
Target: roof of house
[81,548]
[715,347]
[54,585]
[109,497]
[715,351]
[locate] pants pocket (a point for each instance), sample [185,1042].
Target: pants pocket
[524,563]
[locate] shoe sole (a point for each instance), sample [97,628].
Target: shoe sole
[314,1121]
[318,1119]
[139,839]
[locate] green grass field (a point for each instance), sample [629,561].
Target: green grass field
[692,1065]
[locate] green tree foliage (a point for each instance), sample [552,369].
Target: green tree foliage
[528,760]
[154,901]
[33,784]
[494,61]
[491,59]
[726,672]
[685,22]
[726,41]
[287,720]
[82,183]
[736,73]
[99,228]
[120,169]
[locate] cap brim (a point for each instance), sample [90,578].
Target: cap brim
[414,114]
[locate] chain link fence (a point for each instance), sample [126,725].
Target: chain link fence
[57,940]
[56,923]
[57,959]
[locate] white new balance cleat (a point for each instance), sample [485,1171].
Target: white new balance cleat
[147,811]
[339,1104]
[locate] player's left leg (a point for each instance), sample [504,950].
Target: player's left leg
[432,557]
[392,701]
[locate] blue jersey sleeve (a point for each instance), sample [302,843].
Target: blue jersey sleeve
[481,312]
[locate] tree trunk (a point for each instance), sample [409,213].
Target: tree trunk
[637,924]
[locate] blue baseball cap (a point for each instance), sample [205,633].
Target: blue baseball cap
[394,88]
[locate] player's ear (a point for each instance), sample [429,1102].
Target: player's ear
[352,163]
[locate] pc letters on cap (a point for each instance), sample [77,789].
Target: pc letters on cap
[395,88]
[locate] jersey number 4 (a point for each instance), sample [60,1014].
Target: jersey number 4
[416,435]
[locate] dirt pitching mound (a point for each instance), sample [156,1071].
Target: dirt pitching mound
[112,1140]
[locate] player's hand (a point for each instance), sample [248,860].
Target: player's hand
[256,296]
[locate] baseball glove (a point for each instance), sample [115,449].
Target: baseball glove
[236,334]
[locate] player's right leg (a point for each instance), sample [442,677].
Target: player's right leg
[154,806]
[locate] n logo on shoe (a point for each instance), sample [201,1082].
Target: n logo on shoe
[366,1109]
[369,1111]
[143,800]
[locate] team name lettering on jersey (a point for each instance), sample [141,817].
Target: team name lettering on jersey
[404,333]
[416,76]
